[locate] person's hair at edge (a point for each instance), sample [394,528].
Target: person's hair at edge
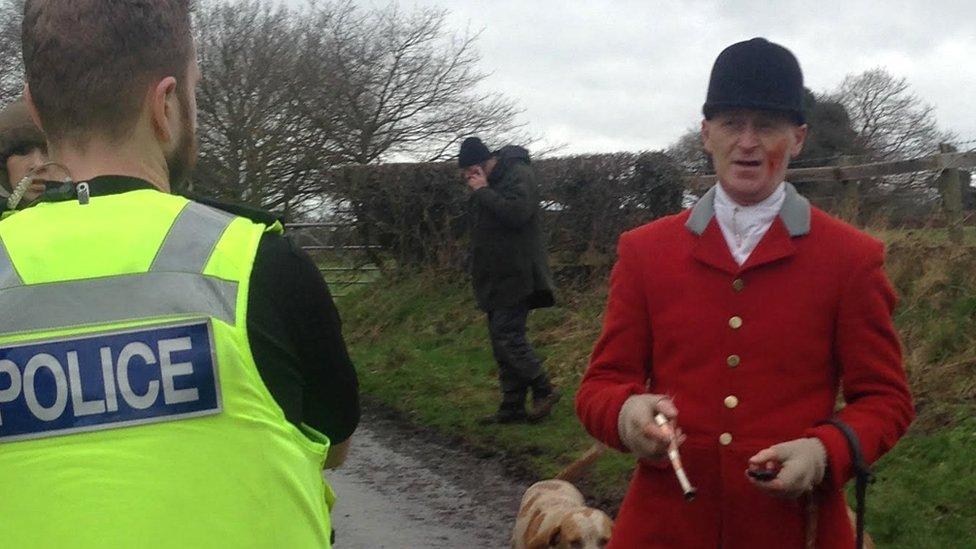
[89,62]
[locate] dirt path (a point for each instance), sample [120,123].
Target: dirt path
[401,490]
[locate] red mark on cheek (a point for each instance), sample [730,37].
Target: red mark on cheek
[775,158]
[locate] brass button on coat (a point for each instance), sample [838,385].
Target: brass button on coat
[733,361]
[738,284]
[731,402]
[735,322]
[725,439]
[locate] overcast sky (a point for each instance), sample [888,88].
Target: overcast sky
[626,75]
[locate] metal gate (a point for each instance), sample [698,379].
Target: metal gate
[344,264]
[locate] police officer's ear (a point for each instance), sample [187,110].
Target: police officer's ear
[31,109]
[164,110]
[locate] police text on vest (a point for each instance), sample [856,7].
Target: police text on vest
[108,380]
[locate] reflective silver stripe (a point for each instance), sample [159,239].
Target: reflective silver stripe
[8,273]
[115,299]
[191,239]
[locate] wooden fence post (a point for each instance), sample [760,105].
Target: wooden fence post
[951,191]
[851,201]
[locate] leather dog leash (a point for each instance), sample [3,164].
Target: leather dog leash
[862,474]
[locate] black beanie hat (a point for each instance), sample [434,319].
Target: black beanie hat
[473,151]
[756,74]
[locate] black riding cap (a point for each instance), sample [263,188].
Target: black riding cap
[756,74]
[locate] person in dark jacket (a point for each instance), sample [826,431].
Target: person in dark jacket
[510,271]
[22,148]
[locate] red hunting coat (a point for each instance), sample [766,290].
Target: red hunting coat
[752,356]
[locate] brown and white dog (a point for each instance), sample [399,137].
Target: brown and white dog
[553,513]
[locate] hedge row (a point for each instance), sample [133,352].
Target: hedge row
[418,211]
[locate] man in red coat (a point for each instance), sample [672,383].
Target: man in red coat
[746,313]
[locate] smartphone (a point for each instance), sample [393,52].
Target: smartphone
[762,475]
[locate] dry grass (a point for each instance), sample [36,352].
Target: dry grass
[937,321]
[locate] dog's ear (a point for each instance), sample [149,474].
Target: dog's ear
[544,539]
[554,536]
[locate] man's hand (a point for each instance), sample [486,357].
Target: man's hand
[637,429]
[476,178]
[802,463]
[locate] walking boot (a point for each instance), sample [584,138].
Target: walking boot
[505,416]
[512,410]
[542,404]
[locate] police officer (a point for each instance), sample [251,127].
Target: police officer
[171,375]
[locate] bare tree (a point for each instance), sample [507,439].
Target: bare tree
[389,83]
[289,94]
[891,121]
[256,144]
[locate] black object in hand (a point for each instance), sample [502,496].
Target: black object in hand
[762,475]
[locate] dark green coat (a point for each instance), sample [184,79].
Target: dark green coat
[509,265]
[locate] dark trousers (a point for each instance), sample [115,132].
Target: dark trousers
[519,368]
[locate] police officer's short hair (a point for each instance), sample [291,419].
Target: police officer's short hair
[88,62]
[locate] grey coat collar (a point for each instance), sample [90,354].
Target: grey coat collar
[795,212]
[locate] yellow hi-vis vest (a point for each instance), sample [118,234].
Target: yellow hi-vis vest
[131,410]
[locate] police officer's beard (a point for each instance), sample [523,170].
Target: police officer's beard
[183,159]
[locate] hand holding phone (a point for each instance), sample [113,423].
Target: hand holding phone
[764,472]
[475,177]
